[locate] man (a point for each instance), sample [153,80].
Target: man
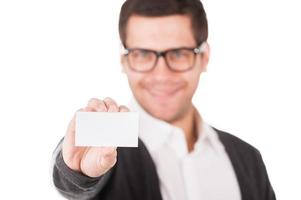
[179,155]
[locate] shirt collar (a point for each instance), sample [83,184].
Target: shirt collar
[207,135]
[155,132]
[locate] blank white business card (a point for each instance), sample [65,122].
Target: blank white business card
[118,129]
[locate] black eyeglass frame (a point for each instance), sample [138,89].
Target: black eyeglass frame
[197,50]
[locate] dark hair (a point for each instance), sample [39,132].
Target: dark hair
[155,8]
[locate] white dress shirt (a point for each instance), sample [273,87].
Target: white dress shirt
[206,173]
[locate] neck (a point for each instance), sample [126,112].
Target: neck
[188,124]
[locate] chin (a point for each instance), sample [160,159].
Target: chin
[168,113]
[165,115]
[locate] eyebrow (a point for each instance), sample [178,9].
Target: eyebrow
[148,49]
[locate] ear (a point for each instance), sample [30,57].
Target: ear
[123,63]
[205,57]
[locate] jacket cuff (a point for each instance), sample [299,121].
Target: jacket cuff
[77,178]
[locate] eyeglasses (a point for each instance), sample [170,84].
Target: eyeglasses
[177,60]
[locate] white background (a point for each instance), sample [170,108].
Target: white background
[55,55]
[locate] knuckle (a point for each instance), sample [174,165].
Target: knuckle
[93,102]
[109,101]
[101,106]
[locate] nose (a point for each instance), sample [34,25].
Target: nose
[161,66]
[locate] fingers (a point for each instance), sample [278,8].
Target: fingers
[108,158]
[107,105]
[123,108]
[92,161]
[96,105]
[98,160]
[111,104]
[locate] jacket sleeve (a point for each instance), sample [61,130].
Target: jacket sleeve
[269,193]
[72,184]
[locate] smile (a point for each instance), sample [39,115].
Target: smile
[163,92]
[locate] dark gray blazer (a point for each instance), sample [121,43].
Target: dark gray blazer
[134,176]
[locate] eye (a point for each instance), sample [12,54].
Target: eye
[140,53]
[179,54]
[176,53]
[141,56]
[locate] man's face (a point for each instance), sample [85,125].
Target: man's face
[161,92]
